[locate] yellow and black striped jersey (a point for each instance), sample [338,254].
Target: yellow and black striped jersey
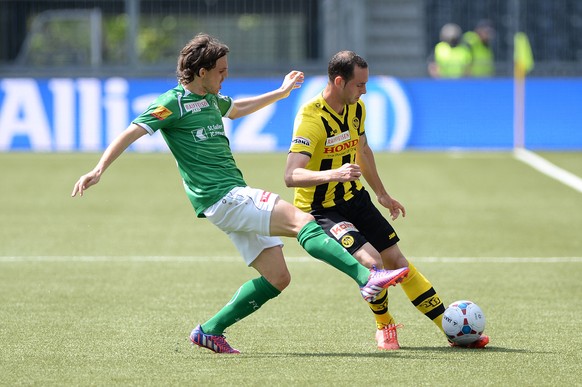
[330,140]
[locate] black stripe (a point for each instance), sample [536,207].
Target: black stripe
[343,126]
[359,112]
[320,190]
[340,188]
[435,312]
[429,293]
[380,300]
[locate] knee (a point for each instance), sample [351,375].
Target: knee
[393,265]
[393,259]
[281,280]
[371,260]
[368,256]
[303,218]
[299,220]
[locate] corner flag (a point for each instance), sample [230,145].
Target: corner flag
[522,55]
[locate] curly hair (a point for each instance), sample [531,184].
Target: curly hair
[201,52]
[343,63]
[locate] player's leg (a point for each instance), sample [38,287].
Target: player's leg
[240,219]
[386,336]
[380,233]
[252,294]
[416,286]
[246,209]
[368,254]
[338,227]
[288,220]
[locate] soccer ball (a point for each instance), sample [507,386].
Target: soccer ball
[463,322]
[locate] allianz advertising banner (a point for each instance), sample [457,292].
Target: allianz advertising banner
[85,114]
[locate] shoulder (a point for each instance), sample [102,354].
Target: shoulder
[313,106]
[311,111]
[171,96]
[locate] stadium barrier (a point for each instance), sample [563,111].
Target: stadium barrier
[85,114]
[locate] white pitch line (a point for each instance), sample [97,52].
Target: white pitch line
[305,259]
[549,169]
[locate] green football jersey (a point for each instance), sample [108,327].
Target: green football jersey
[193,129]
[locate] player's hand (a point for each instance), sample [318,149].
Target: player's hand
[347,172]
[392,205]
[85,182]
[292,81]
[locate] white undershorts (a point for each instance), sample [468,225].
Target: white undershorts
[244,214]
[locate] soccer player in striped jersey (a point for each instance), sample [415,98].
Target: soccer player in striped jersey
[328,155]
[189,117]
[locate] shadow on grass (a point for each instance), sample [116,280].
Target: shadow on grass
[403,352]
[380,354]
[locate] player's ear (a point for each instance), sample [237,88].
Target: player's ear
[338,81]
[201,72]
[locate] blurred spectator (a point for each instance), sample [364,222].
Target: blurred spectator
[451,58]
[479,42]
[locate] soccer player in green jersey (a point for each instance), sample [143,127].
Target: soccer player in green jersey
[329,154]
[189,117]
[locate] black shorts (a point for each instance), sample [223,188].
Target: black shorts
[355,222]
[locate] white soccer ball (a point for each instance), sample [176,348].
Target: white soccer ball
[463,322]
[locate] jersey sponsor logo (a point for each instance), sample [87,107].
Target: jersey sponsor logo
[202,134]
[161,113]
[392,236]
[301,141]
[347,241]
[340,147]
[196,106]
[341,229]
[345,136]
[199,134]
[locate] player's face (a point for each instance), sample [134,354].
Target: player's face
[213,78]
[356,87]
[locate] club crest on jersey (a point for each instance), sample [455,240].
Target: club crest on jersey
[301,141]
[342,228]
[356,122]
[161,113]
[347,241]
[196,106]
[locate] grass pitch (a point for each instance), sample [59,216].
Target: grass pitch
[104,290]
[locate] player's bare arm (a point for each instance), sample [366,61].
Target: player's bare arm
[246,106]
[367,162]
[296,175]
[116,148]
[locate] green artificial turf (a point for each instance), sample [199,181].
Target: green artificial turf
[105,289]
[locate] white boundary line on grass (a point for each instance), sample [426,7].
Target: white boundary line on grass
[176,259]
[549,169]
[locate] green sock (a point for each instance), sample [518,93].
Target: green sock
[248,298]
[316,242]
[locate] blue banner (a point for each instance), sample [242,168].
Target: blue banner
[85,114]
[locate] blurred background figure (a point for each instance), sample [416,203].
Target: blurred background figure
[479,43]
[451,58]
